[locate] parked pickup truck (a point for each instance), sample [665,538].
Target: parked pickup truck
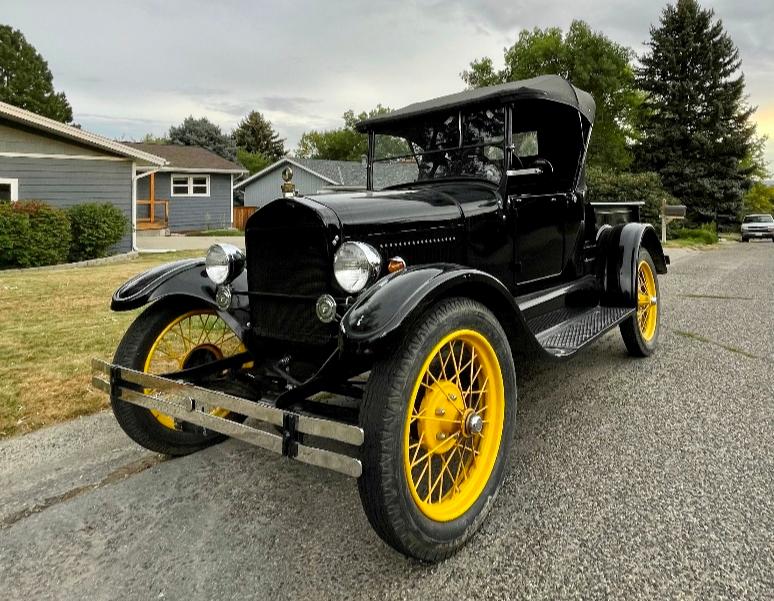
[374,332]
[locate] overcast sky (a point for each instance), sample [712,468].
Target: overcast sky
[133,68]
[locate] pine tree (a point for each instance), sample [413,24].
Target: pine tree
[696,130]
[25,79]
[256,135]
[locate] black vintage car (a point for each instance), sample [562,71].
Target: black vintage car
[374,332]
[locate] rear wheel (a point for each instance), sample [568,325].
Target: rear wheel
[438,417]
[168,337]
[640,331]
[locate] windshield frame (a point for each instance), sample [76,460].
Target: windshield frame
[459,147]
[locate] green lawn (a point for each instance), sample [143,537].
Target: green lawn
[53,323]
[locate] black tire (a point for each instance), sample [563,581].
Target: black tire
[636,344]
[139,423]
[747,239]
[384,490]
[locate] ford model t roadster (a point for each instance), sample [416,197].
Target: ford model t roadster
[374,332]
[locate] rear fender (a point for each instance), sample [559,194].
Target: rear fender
[186,279]
[621,248]
[380,317]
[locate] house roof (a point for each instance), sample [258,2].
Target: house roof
[50,126]
[184,158]
[546,87]
[342,173]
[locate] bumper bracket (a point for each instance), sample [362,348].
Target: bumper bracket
[193,404]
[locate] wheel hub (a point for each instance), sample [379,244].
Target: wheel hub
[440,424]
[473,423]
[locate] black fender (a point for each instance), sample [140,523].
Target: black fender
[379,317]
[621,247]
[186,279]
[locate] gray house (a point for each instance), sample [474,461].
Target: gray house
[313,176]
[42,159]
[192,191]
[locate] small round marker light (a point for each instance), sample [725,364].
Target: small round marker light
[326,308]
[396,264]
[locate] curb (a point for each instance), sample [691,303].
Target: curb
[102,261]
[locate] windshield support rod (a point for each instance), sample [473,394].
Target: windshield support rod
[370,161]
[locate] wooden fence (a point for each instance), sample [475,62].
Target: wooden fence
[241,215]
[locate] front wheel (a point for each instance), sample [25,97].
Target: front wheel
[170,336]
[438,417]
[640,331]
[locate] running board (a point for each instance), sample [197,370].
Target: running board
[192,404]
[565,331]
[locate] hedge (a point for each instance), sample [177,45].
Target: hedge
[95,228]
[611,186]
[32,234]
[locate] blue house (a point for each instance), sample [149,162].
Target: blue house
[42,159]
[192,191]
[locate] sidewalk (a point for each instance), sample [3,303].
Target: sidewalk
[172,243]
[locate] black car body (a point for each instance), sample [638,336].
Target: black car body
[495,219]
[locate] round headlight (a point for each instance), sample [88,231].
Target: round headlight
[355,265]
[224,262]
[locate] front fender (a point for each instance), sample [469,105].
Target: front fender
[622,250]
[185,278]
[378,317]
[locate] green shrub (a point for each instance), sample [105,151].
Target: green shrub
[706,234]
[32,234]
[95,228]
[611,186]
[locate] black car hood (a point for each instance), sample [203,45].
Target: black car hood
[421,207]
[392,207]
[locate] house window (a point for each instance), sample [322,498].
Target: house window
[190,185]
[9,189]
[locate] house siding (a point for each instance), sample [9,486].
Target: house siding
[188,213]
[66,182]
[267,187]
[16,138]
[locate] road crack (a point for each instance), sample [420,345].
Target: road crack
[717,296]
[726,347]
[116,475]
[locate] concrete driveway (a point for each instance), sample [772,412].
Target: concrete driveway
[177,242]
[630,479]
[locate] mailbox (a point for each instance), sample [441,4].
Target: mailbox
[670,213]
[674,211]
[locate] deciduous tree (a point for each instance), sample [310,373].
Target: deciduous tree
[590,61]
[25,79]
[343,144]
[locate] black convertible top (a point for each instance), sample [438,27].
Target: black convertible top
[549,87]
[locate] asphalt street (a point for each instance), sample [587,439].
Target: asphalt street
[630,479]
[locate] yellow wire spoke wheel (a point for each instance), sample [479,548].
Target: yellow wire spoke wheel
[454,425]
[192,339]
[647,301]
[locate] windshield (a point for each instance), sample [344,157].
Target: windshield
[456,144]
[758,219]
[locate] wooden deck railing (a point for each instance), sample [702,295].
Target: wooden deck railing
[156,217]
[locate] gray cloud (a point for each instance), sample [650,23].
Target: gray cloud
[151,63]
